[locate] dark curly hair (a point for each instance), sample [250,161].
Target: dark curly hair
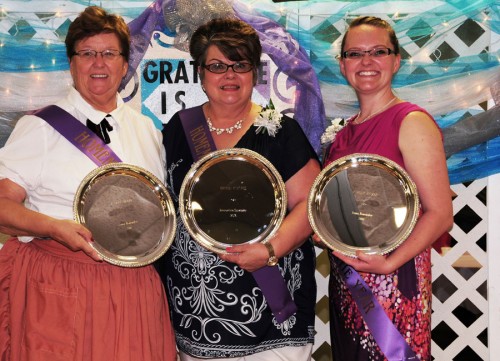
[235,39]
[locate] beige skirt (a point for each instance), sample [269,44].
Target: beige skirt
[60,305]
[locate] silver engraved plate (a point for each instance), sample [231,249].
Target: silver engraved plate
[232,196]
[129,212]
[363,202]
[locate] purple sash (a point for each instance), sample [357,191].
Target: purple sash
[197,133]
[268,278]
[78,134]
[387,336]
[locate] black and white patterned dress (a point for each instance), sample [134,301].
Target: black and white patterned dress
[217,308]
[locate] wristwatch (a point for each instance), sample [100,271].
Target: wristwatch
[273,260]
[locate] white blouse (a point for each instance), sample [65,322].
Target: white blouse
[50,168]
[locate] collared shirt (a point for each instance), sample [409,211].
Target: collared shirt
[50,168]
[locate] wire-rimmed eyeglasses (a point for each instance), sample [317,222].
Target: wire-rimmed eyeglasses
[220,68]
[375,52]
[107,55]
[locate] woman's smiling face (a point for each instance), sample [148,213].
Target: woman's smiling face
[229,87]
[368,73]
[97,79]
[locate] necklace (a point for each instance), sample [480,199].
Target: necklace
[374,113]
[229,130]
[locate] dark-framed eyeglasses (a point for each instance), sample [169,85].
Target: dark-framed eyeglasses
[375,52]
[221,68]
[91,55]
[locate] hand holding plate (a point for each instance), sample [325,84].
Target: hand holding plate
[363,202]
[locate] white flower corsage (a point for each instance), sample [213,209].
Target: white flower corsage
[331,131]
[268,120]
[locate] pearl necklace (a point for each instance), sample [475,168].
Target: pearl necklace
[229,130]
[373,114]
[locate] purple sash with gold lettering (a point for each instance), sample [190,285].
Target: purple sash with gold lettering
[269,279]
[78,134]
[385,333]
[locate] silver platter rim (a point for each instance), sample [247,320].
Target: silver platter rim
[362,159]
[193,175]
[153,184]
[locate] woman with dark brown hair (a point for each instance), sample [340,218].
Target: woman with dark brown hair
[219,308]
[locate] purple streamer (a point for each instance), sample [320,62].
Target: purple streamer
[141,31]
[309,110]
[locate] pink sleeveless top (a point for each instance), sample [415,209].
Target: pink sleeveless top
[378,135]
[350,337]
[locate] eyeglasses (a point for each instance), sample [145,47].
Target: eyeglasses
[221,68]
[375,52]
[91,55]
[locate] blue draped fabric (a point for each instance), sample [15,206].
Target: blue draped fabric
[293,61]
[26,47]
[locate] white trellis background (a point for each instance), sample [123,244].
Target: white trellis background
[479,287]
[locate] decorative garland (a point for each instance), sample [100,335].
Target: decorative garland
[304,48]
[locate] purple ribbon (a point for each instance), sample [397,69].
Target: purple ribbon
[197,133]
[141,31]
[269,279]
[78,134]
[308,107]
[385,333]
[293,60]
[274,289]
